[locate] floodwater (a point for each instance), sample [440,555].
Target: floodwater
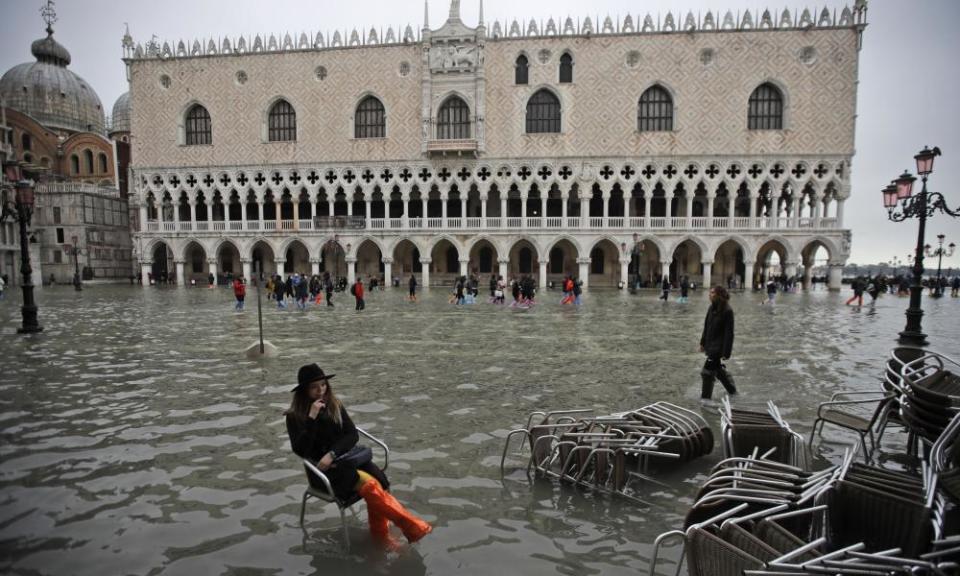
[135,437]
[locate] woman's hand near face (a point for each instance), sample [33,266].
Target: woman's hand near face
[316,407]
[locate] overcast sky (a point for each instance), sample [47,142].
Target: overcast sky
[909,92]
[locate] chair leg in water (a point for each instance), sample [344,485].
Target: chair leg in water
[383,505]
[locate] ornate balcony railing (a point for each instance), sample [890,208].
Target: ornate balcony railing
[323,224]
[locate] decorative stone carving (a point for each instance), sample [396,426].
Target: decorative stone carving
[453,58]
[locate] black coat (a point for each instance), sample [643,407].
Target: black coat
[312,439]
[717,337]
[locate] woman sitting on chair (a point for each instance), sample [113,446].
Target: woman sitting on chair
[320,430]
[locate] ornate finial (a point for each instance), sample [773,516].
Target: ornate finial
[426,14]
[481,12]
[454,10]
[49,15]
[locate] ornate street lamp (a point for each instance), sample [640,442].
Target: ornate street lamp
[940,252]
[22,212]
[76,251]
[901,205]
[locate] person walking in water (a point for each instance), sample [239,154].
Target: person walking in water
[771,292]
[857,286]
[716,342]
[239,292]
[412,296]
[321,432]
[684,290]
[357,291]
[328,289]
[665,289]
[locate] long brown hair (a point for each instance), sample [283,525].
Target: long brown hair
[723,297]
[300,405]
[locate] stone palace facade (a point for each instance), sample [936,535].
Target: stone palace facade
[709,146]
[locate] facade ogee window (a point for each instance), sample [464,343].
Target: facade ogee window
[765,108]
[282,122]
[198,130]
[566,68]
[655,111]
[543,113]
[370,120]
[522,75]
[453,120]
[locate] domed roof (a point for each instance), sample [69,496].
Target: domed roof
[51,94]
[120,118]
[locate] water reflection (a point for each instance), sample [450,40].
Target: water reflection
[137,439]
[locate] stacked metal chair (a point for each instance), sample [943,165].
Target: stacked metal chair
[930,397]
[742,431]
[605,453]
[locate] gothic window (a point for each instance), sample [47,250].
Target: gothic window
[765,109]
[543,113]
[102,160]
[523,68]
[370,121]
[596,261]
[74,164]
[88,161]
[282,122]
[655,112]
[198,126]
[566,68]
[453,120]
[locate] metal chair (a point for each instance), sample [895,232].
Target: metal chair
[841,410]
[318,486]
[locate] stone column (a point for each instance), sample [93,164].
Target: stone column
[405,217]
[754,195]
[315,266]
[243,215]
[605,195]
[247,270]
[775,210]
[503,262]
[707,279]
[181,281]
[795,211]
[423,201]
[503,210]
[463,210]
[543,208]
[350,206]
[483,211]
[388,271]
[366,203]
[443,206]
[748,276]
[523,209]
[625,273]
[710,198]
[425,273]
[646,209]
[351,269]
[330,207]
[690,194]
[543,273]
[463,266]
[807,273]
[260,213]
[563,209]
[836,277]
[817,211]
[143,221]
[193,215]
[278,211]
[840,212]
[790,269]
[731,207]
[584,276]
[145,267]
[668,198]
[212,265]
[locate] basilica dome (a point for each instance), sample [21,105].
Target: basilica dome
[50,93]
[120,117]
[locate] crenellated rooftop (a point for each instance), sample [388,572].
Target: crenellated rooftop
[671,22]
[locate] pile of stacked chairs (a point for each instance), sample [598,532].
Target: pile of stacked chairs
[757,516]
[605,453]
[742,431]
[928,390]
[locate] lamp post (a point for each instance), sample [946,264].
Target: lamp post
[76,251]
[23,213]
[940,252]
[900,206]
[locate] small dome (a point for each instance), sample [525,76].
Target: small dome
[51,94]
[49,50]
[120,118]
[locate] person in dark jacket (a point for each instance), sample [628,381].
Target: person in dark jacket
[320,430]
[717,343]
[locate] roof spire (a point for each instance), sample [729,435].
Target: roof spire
[481,12]
[49,15]
[426,14]
[454,10]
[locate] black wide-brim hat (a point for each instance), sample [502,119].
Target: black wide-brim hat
[308,374]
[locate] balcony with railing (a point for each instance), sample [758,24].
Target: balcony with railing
[325,224]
